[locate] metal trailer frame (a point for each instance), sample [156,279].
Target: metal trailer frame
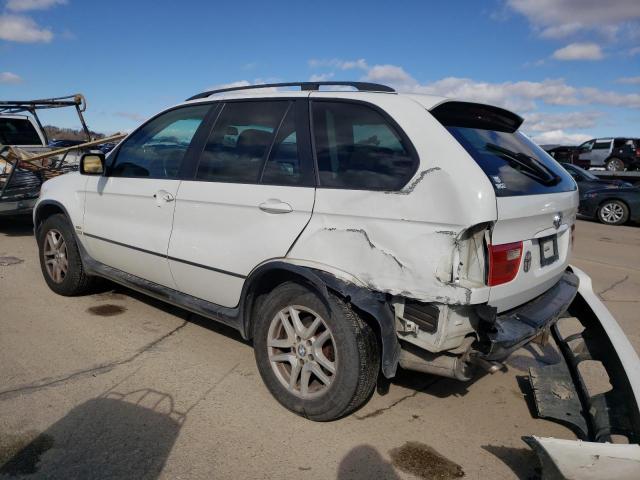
[21,186]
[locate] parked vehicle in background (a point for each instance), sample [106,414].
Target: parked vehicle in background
[615,154]
[22,138]
[567,154]
[613,202]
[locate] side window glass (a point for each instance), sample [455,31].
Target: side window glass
[240,140]
[284,165]
[158,148]
[357,148]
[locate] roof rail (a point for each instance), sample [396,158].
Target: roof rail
[360,86]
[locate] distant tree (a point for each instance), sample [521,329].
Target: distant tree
[56,133]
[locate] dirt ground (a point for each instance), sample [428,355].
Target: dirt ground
[115,385]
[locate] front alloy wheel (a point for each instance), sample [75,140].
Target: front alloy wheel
[55,256]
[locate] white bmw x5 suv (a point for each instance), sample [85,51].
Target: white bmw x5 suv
[344,232]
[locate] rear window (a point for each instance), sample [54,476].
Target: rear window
[513,163]
[18,131]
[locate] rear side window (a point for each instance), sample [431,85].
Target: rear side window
[18,131]
[240,141]
[358,148]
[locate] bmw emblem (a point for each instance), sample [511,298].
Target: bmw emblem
[527,261]
[557,220]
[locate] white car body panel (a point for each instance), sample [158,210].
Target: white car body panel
[529,218]
[67,190]
[396,241]
[221,225]
[124,210]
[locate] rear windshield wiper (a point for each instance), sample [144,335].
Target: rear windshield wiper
[533,167]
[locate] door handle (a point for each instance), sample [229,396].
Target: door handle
[163,196]
[275,206]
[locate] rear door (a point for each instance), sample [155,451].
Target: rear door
[600,152]
[251,196]
[129,212]
[537,202]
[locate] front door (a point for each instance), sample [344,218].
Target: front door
[129,211]
[252,195]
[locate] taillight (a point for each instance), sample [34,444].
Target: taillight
[504,262]
[638,152]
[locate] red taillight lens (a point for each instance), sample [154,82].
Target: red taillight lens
[504,262]
[637,152]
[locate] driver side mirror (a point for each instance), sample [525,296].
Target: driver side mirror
[92,164]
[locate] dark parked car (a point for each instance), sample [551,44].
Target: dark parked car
[568,154]
[612,202]
[615,154]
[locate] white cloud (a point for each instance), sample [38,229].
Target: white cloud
[10,78]
[629,80]
[17,28]
[560,137]
[321,77]
[561,18]
[25,5]
[579,51]
[544,122]
[360,63]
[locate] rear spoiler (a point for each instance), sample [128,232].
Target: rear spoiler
[476,115]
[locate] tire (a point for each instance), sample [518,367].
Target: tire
[351,347]
[615,165]
[613,212]
[60,259]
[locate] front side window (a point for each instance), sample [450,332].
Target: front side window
[158,148]
[357,148]
[241,138]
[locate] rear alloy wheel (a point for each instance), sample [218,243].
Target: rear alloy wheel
[615,165]
[316,356]
[613,212]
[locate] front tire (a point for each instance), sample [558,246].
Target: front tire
[60,259]
[615,165]
[319,361]
[613,212]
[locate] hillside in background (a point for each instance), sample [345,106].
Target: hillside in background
[56,133]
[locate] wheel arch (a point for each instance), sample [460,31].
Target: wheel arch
[44,210]
[374,307]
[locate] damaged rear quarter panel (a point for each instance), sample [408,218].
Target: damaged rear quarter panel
[403,242]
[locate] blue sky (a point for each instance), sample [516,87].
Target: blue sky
[570,67]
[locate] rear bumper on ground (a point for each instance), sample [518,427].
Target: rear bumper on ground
[561,394]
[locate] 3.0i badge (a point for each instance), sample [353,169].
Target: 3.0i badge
[527,261]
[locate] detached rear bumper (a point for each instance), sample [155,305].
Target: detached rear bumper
[507,332]
[561,394]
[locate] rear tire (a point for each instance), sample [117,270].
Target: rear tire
[613,212]
[341,353]
[60,259]
[615,165]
